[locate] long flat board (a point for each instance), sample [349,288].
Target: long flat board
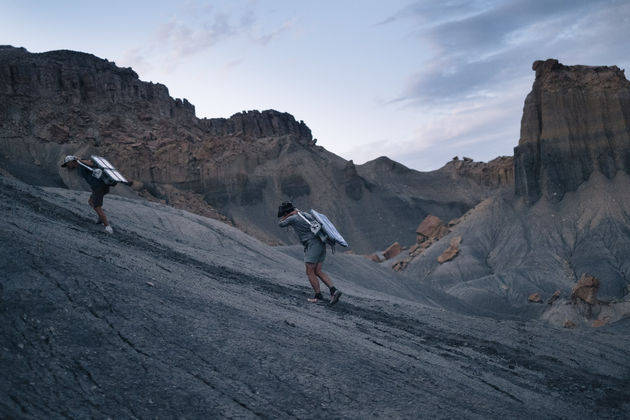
[329,228]
[107,167]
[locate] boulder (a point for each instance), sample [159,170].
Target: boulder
[401,265]
[393,250]
[432,227]
[535,298]
[586,289]
[451,251]
[554,297]
[569,324]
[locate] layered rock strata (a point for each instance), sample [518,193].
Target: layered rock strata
[576,120]
[237,169]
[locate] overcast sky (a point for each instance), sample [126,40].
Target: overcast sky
[418,81]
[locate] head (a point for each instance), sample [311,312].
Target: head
[285,208]
[70,162]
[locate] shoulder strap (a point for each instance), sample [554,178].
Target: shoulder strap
[85,166]
[305,219]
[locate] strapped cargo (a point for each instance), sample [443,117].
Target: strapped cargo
[105,171]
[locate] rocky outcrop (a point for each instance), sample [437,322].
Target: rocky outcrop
[452,250]
[575,121]
[497,173]
[431,228]
[586,289]
[392,251]
[236,169]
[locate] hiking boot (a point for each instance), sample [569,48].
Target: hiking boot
[334,298]
[317,298]
[109,229]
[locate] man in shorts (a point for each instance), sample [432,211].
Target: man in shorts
[99,189]
[314,250]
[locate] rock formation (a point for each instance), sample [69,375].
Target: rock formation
[392,251]
[497,173]
[235,169]
[586,289]
[547,241]
[452,250]
[576,120]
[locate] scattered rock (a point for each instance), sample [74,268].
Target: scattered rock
[554,297]
[586,289]
[432,227]
[401,265]
[454,222]
[451,251]
[569,324]
[535,298]
[393,250]
[599,323]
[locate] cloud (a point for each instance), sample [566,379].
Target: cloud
[181,39]
[200,30]
[275,33]
[479,46]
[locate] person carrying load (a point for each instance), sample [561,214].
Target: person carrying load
[99,188]
[314,249]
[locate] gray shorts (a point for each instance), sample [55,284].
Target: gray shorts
[314,251]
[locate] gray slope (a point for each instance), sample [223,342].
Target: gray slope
[510,250]
[180,316]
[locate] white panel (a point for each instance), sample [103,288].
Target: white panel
[115,175]
[102,162]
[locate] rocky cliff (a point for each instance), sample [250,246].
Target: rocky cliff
[576,120]
[235,169]
[571,166]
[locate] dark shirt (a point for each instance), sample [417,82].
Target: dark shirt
[87,175]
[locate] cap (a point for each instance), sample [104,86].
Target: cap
[285,208]
[68,159]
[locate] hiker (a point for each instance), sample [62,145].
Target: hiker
[99,188]
[314,250]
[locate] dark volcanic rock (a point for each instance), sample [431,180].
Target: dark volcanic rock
[575,121]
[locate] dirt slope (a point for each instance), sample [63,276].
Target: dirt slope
[177,315]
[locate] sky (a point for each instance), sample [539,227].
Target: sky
[418,81]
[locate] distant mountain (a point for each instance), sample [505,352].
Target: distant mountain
[237,169]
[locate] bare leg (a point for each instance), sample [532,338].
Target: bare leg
[101,215]
[99,211]
[323,276]
[312,277]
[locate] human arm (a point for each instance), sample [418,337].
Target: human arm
[288,219]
